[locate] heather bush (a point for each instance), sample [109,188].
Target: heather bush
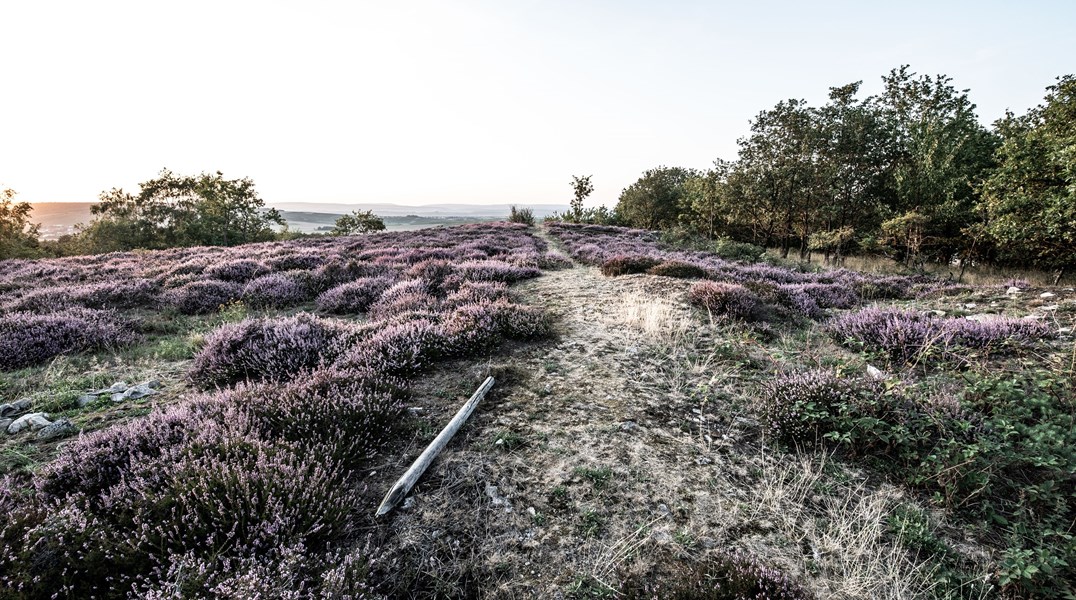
[436,273]
[795,405]
[271,349]
[401,349]
[411,295]
[27,339]
[472,292]
[905,335]
[201,297]
[476,327]
[627,265]
[494,270]
[679,269]
[239,271]
[724,299]
[276,290]
[355,296]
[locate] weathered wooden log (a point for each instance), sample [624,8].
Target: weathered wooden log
[403,485]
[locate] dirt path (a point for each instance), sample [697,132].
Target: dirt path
[618,444]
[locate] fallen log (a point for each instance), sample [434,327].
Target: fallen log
[403,485]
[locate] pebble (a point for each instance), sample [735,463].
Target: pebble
[1013,290]
[4,423]
[32,421]
[1047,295]
[60,428]
[19,406]
[875,372]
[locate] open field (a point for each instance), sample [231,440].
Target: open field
[665,424]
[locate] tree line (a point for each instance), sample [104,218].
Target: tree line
[909,173]
[168,211]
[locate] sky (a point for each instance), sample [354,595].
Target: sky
[474,102]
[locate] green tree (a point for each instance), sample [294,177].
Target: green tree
[938,155]
[174,211]
[18,236]
[706,200]
[359,221]
[582,188]
[1030,199]
[654,201]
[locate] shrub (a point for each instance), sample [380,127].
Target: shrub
[795,405]
[272,349]
[27,339]
[411,295]
[494,270]
[473,328]
[733,250]
[342,270]
[724,299]
[436,273]
[238,271]
[472,292]
[276,290]
[398,349]
[355,296]
[201,297]
[679,269]
[521,215]
[627,265]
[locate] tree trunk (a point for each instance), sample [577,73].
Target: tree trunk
[1060,274]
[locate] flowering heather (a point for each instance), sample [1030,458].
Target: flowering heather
[906,335]
[724,299]
[679,269]
[271,349]
[438,274]
[620,250]
[473,292]
[122,294]
[239,271]
[793,404]
[627,265]
[276,290]
[494,270]
[397,349]
[411,295]
[340,271]
[27,339]
[201,297]
[355,296]
[475,327]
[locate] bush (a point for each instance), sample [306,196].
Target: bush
[521,215]
[201,297]
[679,269]
[627,265]
[474,328]
[473,292]
[27,339]
[271,349]
[494,270]
[796,405]
[355,296]
[411,295]
[733,250]
[399,349]
[724,299]
[276,290]
[238,271]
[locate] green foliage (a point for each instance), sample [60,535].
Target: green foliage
[521,215]
[654,201]
[1002,454]
[18,236]
[358,222]
[1030,199]
[176,211]
[582,188]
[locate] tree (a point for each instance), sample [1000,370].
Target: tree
[18,236]
[654,201]
[706,207]
[1030,199]
[359,221]
[175,211]
[938,157]
[582,188]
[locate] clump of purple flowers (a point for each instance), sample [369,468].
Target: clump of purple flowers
[793,405]
[724,299]
[276,290]
[906,335]
[355,296]
[202,297]
[272,349]
[28,339]
[239,271]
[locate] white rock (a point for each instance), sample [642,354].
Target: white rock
[875,372]
[32,421]
[1047,295]
[1013,290]
[1051,307]
[970,305]
[61,428]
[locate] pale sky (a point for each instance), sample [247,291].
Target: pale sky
[474,102]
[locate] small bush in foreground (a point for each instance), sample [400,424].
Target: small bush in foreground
[724,299]
[354,296]
[723,576]
[679,269]
[276,290]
